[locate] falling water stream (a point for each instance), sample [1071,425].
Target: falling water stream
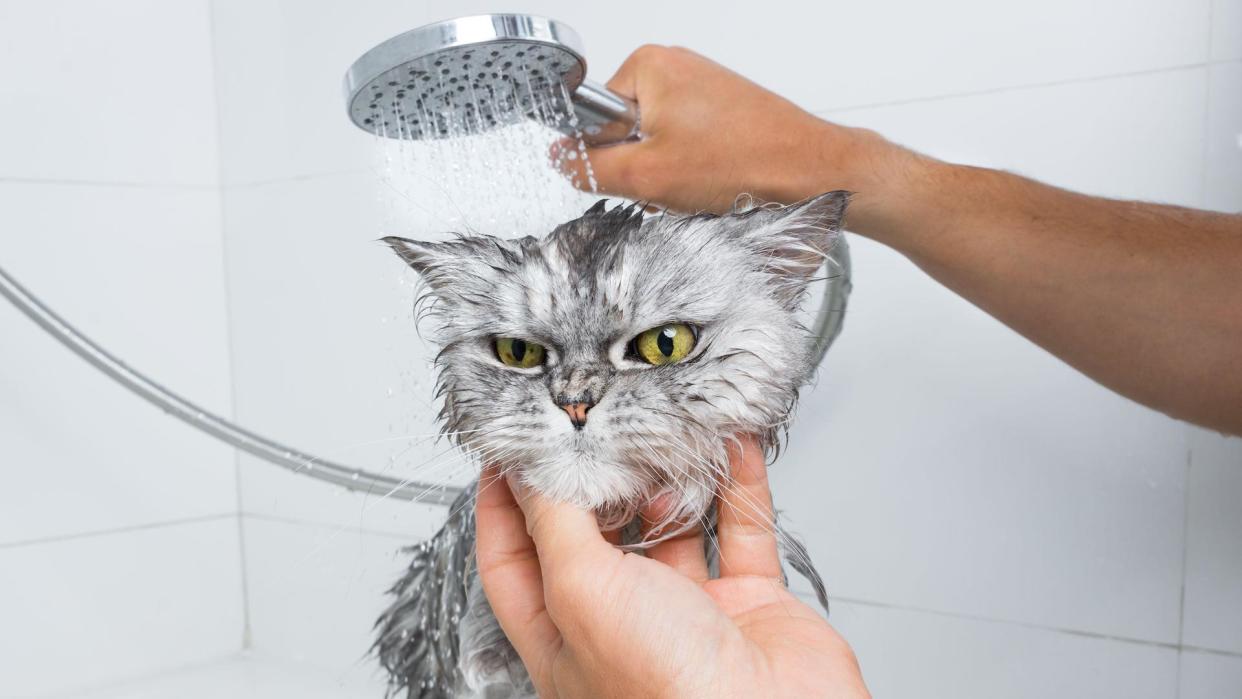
[444,173]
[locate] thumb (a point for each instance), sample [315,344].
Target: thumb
[612,169]
[565,535]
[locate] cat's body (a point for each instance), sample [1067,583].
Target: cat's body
[604,364]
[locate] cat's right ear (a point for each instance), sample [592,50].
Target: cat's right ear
[416,254]
[434,262]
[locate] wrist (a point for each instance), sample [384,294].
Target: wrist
[893,187]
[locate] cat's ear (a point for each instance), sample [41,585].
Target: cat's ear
[460,270]
[793,241]
[423,257]
[447,267]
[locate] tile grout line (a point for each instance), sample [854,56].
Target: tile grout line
[334,526]
[158,186]
[1012,88]
[115,530]
[823,112]
[1188,473]
[1181,602]
[223,186]
[1032,626]
[247,639]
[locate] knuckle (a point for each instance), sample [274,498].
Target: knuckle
[650,52]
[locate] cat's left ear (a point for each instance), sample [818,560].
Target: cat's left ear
[792,241]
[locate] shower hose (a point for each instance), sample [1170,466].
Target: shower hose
[826,327]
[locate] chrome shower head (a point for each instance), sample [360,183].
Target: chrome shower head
[469,75]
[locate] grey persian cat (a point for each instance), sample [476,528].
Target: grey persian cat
[604,364]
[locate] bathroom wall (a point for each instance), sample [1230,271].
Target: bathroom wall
[118,527]
[990,521]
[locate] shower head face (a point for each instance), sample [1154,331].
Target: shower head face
[466,76]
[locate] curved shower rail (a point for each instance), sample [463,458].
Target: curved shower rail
[214,425]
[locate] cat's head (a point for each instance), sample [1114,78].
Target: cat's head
[610,360]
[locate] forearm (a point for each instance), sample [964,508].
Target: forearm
[1144,298]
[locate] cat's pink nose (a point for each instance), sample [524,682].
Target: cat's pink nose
[577,413]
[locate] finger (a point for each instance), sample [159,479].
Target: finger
[683,552]
[613,169]
[509,570]
[624,82]
[746,530]
[565,536]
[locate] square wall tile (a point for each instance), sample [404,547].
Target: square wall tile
[1226,30]
[99,609]
[286,118]
[1213,607]
[1223,168]
[1210,676]
[912,654]
[315,592]
[121,91]
[139,271]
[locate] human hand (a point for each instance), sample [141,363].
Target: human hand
[589,620]
[709,135]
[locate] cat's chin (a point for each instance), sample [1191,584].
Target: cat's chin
[589,483]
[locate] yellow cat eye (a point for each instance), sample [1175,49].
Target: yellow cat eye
[666,344]
[519,353]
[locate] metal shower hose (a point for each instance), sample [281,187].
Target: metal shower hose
[212,424]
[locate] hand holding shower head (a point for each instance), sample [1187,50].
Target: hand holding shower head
[473,74]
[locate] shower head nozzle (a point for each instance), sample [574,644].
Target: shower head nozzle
[472,74]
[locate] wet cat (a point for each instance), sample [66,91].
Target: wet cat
[604,364]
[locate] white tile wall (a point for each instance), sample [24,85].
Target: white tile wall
[1223,172]
[1213,607]
[315,592]
[107,92]
[103,608]
[249,676]
[140,271]
[282,110]
[1086,136]
[1210,676]
[913,654]
[118,526]
[1226,30]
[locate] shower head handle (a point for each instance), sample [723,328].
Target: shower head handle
[604,117]
[479,73]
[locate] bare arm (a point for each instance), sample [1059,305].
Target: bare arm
[1144,298]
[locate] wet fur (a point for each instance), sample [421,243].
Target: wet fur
[584,291]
